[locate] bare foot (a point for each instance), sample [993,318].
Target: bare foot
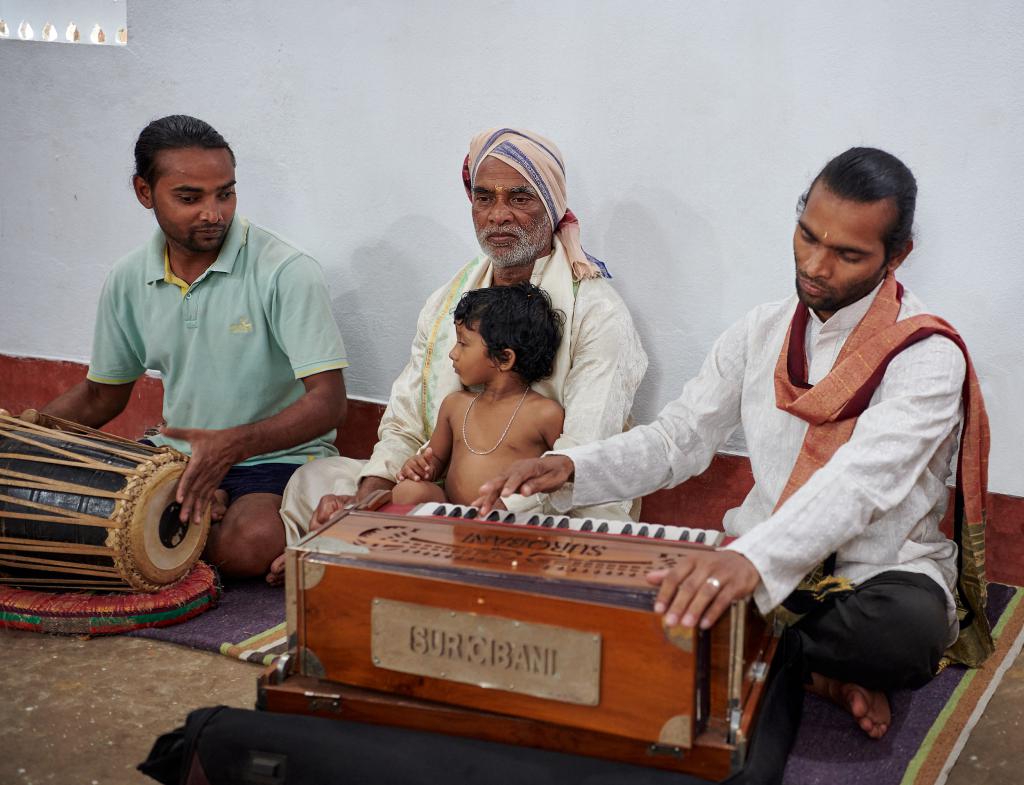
[870,708]
[276,575]
[219,506]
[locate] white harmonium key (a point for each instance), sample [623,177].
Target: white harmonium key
[655,531]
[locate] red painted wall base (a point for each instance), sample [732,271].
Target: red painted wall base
[701,501]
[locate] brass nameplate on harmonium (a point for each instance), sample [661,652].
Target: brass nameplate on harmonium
[542,660]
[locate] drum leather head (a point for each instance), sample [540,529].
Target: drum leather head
[160,548]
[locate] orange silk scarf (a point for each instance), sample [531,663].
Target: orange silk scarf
[831,408]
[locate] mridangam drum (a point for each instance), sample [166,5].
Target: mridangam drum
[81,509]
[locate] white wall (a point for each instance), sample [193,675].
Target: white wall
[689,130]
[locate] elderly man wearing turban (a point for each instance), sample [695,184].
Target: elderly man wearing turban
[516,183]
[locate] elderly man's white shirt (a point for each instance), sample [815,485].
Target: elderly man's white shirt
[607,365]
[877,503]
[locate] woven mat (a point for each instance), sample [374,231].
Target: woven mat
[930,725]
[248,624]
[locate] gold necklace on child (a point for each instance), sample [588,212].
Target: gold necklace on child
[504,433]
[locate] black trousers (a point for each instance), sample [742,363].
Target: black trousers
[888,634]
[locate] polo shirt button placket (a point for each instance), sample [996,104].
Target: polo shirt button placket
[191,309]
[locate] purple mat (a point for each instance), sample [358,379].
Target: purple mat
[829,748]
[246,608]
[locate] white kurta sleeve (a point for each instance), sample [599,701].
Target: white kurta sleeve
[401,432]
[608,364]
[679,444]
[913,412]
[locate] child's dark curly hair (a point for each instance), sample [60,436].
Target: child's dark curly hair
[517,317]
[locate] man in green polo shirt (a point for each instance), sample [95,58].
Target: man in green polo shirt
[238,323]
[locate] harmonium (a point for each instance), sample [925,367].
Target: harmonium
[537,631]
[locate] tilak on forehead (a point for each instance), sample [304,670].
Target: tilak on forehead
[539,161]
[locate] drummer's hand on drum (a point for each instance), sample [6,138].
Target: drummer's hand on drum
[529,476]
[702,586]
[213,453]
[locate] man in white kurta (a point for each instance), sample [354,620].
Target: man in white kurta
[877,504]
[870,510]
[598,367]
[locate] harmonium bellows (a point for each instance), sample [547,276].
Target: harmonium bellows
[513,632]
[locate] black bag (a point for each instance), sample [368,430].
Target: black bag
[225,746]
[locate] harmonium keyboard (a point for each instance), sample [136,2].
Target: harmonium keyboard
[532,632]
[655,531]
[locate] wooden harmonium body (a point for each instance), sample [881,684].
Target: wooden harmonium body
[523,634]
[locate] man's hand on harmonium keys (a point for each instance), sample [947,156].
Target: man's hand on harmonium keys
[529,476]
[701,587]
[695,592]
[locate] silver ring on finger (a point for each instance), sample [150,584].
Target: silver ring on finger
[713,581]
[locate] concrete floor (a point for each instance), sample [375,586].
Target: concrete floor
[87,711]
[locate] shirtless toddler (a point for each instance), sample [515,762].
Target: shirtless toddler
[507,337]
